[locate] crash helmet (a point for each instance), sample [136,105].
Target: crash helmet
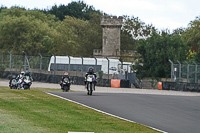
[22,72]
[90,70]
[27,71]
[65,74]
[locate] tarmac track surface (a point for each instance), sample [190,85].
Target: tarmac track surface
[173,114]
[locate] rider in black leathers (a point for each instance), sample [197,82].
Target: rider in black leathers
[91,72]
[62,79]
[27,73]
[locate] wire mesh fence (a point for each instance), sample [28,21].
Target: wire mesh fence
[23,62]
[51,69]
[40,64]
[185,72]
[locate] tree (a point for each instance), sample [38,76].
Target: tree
[32,14]
[2,7]
[192,34]
[22,30]
[156,52]
[133,29]
[75,9]
[77,37]
[192,38]
[66,41]
[137,28]
[127,41]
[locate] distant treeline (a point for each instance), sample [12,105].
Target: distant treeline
[75,30]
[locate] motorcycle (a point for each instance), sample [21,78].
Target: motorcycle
[13,84]
[66,85]
[90,84]
[26,83]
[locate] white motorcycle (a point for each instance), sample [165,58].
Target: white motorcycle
[90,84]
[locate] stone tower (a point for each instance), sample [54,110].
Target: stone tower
[111,26]
[111,36]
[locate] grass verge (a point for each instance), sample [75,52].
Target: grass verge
[33,111]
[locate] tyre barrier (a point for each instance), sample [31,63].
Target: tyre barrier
[124,83]
[181,86]
[103,82]
[115,83]
[47,78]
[120,83]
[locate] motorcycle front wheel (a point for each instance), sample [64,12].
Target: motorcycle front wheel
[66,88]
[26,87]
[19,87]
[90,88]
[14,87]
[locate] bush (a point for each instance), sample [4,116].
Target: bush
[100,74]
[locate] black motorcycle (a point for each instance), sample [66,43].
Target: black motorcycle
[66,85]
[13,84]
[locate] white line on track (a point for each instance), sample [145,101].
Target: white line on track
[104,112]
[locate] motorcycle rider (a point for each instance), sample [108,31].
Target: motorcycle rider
[20,76]
[66,75]
[28,74]
[91,72]
[13,77]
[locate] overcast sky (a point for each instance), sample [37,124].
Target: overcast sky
[162,14]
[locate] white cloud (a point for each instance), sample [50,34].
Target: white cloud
[125,7]
[165,23]
[146,5]
[163,14]
[177,6]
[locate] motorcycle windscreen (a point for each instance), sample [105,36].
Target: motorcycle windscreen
[66,80]
[90,78]
[27,79]
[14,81]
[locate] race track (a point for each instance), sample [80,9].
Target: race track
[173,114]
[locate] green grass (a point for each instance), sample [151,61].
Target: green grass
[34,111]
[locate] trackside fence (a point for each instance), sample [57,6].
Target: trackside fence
[185,72]
[184,77]
[39,68]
